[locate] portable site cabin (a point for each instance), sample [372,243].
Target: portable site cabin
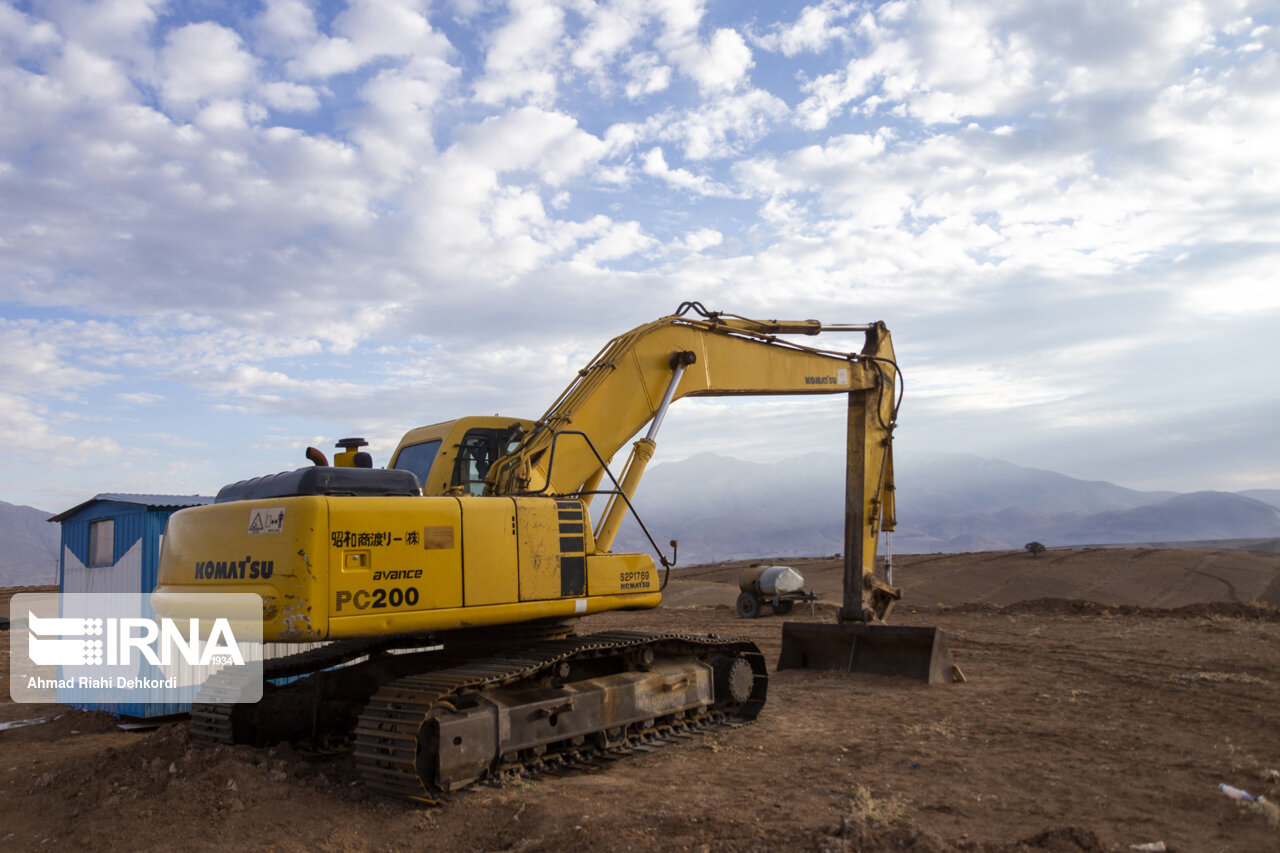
[111,543]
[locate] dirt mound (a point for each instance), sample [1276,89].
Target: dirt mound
[1068,839]
[7,593]
[854,836]
[59,722]
[1078,607]
[1225,610]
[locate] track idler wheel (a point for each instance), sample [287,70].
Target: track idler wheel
[733,678]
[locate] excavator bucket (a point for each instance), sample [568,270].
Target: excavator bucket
[901,650]
[859,641]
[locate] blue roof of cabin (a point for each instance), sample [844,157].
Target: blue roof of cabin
[149,501]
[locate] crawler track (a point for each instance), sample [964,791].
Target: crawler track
[215,716]
[615,693]
[394,732]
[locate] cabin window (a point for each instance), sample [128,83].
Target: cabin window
[418,458]
[102,537]
[479,450]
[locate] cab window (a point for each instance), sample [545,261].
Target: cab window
[480,448]
[418,458]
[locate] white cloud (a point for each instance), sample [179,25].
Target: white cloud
[718,66]
[35,361]
[138,398]
[91,77]
[619,241]
[1242,289]
[943,62]
[522,55]
[646,75]
[813,30]
[365,32]
[840,165]
[120,31]
[723,126]
[203,61]
[397,131]
[35,429]
[655,164]
[24,34]
[171,440]
[701,240]
[290,97]
[477,215]
[610,29]
[223,117]
[548,142]
[985,387]
[285,27]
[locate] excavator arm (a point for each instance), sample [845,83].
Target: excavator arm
[633,379]
[636,376]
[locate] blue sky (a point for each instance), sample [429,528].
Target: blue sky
[230,230]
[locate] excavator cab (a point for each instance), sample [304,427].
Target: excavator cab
[479,449]
[454,457]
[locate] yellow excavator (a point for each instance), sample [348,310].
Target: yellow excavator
[441,593]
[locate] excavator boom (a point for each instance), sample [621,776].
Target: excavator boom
[628,385]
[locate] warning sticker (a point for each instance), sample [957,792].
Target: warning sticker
[266,519]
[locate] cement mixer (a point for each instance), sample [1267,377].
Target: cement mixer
[778,586]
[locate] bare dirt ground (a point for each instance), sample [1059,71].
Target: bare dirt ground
[1082,727]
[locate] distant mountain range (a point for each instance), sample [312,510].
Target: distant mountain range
[721,508]
[30,553]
